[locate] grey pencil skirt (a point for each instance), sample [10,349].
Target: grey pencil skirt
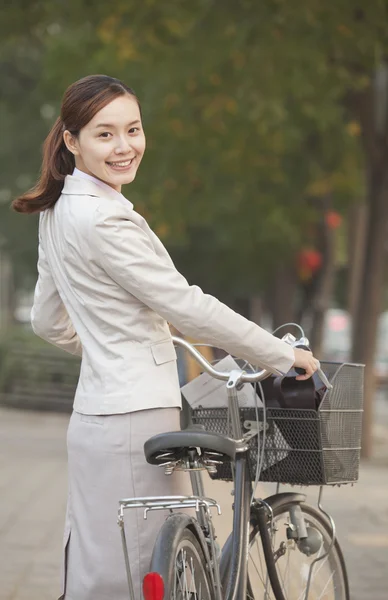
[106,463]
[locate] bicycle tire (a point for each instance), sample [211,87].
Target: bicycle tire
[319,522]
[177,546]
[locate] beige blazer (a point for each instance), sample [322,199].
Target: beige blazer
[107,289]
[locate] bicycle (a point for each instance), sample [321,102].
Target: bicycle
[298,554]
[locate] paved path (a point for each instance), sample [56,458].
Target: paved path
[32,505]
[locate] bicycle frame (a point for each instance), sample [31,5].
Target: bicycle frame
[237,583]
[236,588]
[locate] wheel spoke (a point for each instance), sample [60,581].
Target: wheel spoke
[190,576]
[282,582]
[315,572]
[287,575]
[324,589]
[328,579]
[257,571]
[259,553]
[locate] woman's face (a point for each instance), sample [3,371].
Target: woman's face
[112,144]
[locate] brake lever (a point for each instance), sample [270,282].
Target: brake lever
[303,343]
[324,379]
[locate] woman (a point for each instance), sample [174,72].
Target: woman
[106,291]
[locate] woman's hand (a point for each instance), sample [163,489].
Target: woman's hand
[304,359]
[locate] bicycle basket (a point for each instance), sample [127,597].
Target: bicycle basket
[303,447]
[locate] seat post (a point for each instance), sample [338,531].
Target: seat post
[198,490]
[197,483]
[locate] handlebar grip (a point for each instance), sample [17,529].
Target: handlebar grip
[299,370]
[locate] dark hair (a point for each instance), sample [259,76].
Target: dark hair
[81,102]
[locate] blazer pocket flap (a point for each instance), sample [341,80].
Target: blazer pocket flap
[163,352]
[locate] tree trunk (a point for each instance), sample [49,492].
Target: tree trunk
[281,302]
[368,306]
[324,289]
[256,309]
[242,306]
[356,253]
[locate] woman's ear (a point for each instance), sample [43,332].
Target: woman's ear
[70,142]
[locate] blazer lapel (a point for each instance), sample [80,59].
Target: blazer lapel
[77,186]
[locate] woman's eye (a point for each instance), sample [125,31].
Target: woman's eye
[104,135]
[134,130]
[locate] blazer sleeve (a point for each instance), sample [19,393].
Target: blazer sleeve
[125,251]
[49,317]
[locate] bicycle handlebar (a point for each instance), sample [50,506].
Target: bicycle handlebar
[224,376]
[244,377]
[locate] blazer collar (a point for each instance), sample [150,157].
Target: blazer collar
[85,187]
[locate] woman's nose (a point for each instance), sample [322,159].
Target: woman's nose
[122,146]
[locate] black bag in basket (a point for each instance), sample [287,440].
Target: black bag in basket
[292,406]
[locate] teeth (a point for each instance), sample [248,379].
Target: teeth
[121,164]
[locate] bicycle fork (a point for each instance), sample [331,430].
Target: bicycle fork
[237,583]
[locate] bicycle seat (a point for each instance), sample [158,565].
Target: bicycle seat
[177,442]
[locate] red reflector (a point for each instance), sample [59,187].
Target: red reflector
[153,587]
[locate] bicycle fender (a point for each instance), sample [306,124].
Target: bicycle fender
[284,498]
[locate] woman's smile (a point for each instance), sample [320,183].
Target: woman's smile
[122,165]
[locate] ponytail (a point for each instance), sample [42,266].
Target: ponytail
[58,162]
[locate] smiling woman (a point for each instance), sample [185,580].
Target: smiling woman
[99,131]
[107,290]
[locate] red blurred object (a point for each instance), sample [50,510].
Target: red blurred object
[333,219]
[153,587]
[310,259]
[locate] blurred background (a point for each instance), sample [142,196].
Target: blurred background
[265,176]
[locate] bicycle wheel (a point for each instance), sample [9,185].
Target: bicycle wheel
[180,560]
[329,578]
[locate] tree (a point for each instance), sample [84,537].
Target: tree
[228,150]
[373,111]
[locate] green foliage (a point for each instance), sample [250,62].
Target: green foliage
[246,108]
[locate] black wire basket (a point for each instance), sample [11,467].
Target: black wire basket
[302,446]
